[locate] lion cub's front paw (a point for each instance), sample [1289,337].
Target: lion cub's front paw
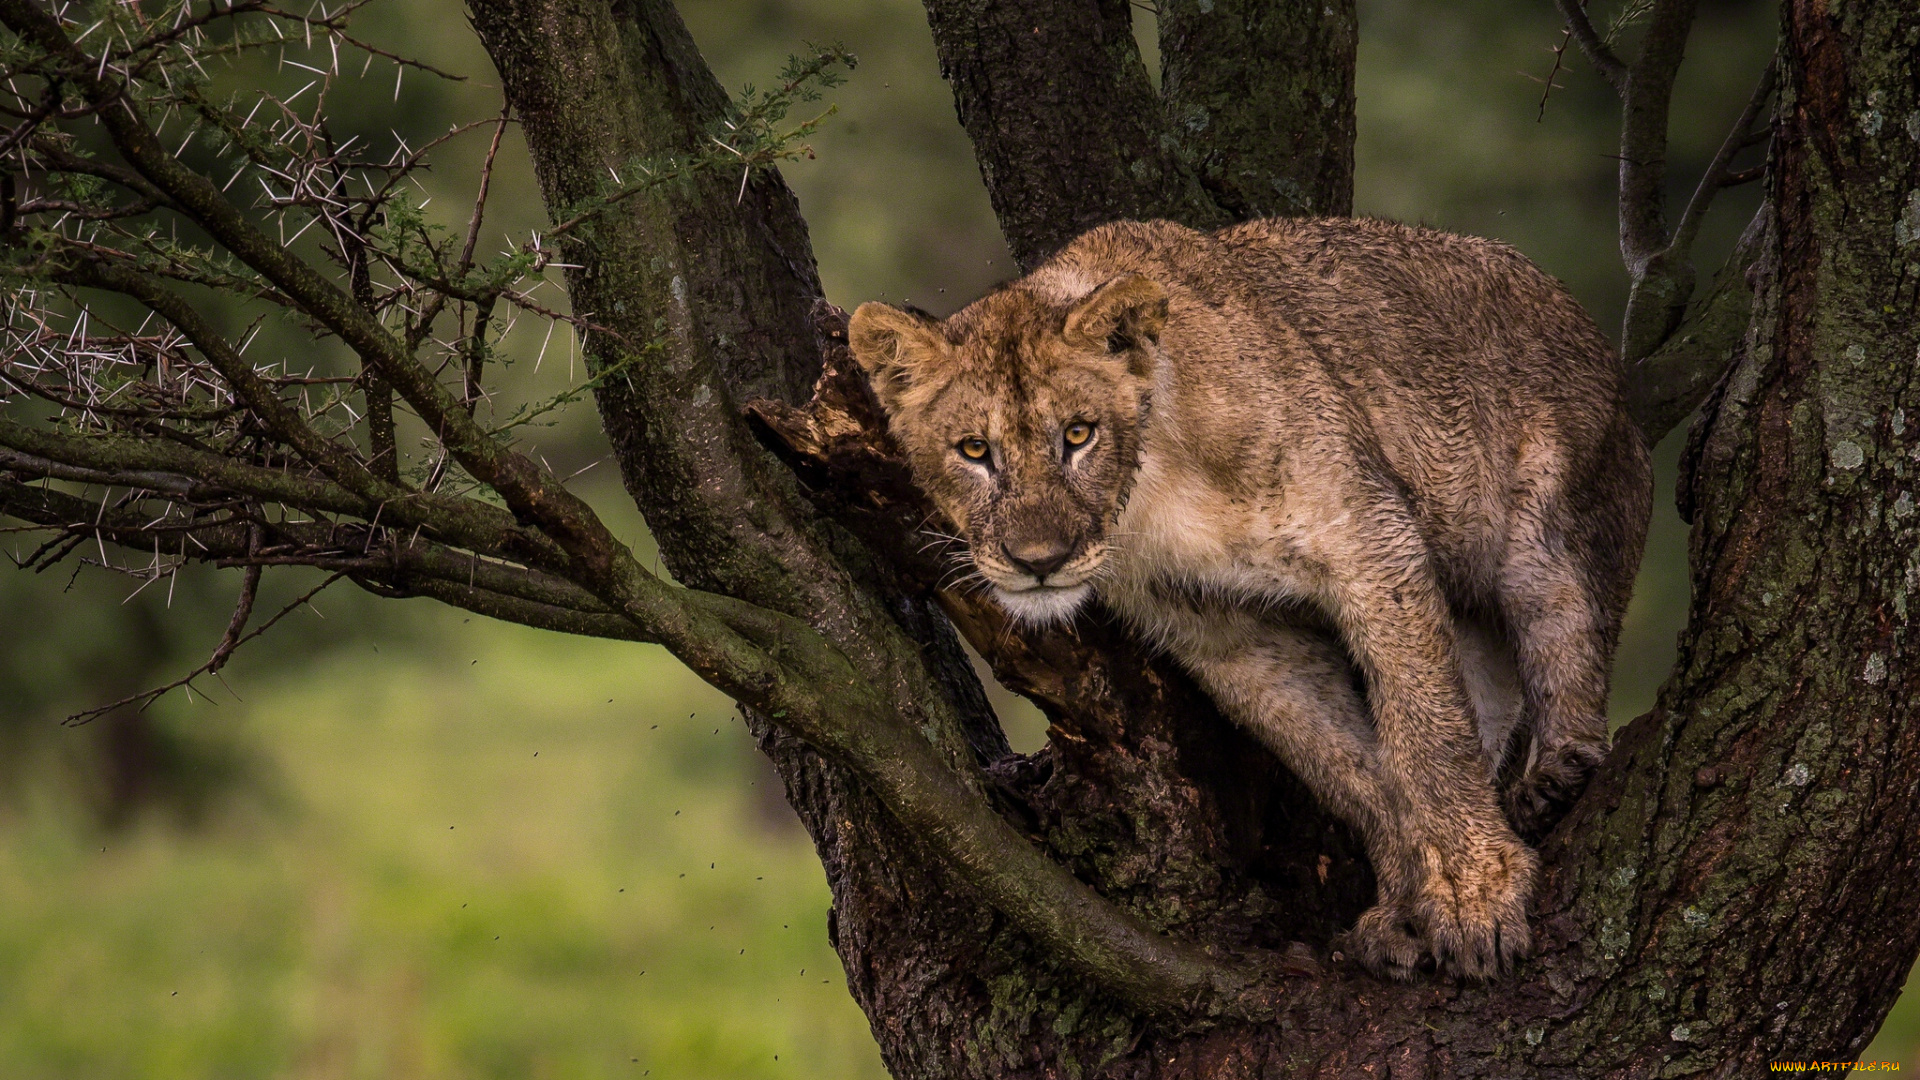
[1472,908]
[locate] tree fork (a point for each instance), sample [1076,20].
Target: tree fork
[1048,91]
[1680,833]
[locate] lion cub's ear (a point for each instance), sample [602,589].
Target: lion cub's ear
[1121,316]
[889,344]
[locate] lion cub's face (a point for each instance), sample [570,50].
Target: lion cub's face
[1021,418]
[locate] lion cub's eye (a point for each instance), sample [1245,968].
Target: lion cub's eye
[973,448]
[1078,433]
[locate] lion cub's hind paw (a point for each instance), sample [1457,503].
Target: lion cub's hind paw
[1537,801]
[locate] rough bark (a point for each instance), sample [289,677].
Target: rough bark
[1730,889]
[1051,90]
[1271,132]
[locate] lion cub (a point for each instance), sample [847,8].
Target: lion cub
[1292,452]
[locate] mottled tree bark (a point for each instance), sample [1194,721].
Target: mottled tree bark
[1734,885]
[1269,132]
[1256,116]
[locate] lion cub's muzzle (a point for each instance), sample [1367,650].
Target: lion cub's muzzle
[1038,557]
[1040,581]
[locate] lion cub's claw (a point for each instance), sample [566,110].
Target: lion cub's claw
[1473,913]
[1456,903]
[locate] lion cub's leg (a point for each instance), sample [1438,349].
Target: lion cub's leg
[1292,688]
[1563,607]
[1562,646]
[1475,876]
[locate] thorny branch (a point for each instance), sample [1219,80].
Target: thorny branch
[226,648]
[160,403]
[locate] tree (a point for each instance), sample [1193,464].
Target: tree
[1150,895]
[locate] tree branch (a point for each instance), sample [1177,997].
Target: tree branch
[511,609]
[170,468]
[1592,46]
[1063,118]
[399,566]
[1665,386]
[1661,284]
[231,641]
[728,642]
[1719,171]
[1069,132]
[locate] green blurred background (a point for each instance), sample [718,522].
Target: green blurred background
[398,842]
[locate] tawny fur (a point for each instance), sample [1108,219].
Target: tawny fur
[1314,449]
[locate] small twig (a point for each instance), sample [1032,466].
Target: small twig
[1596,50]
[1719,174]
[53,552]
[147,697]
[480,200]
[242,610]
[1559,60]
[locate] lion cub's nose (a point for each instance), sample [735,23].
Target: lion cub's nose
[1037,557]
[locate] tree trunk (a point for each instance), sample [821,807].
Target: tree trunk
[1049,91]
[1730,889]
